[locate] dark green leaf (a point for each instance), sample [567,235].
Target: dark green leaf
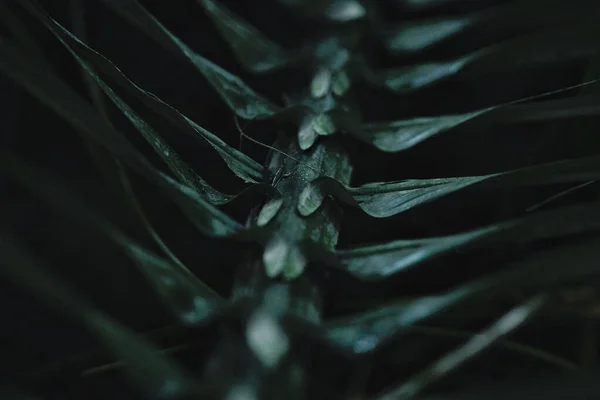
[334,10]
[384,260]
[556,266]
[20,34]
[384,199]
[531,51]
[505,20]
[256,52]
[240,164]
[189,298]
[152,373]
[448,363]
[11,394]
[53,92]
[240,98]
[403,134]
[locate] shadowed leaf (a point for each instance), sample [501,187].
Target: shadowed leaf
[384,199]
[240,164]
[531,51]
[404,134]
[152,373]
[240,98]
[256,52]
[189,298]
[505,20]
[55,94]
[385,260]
[506,324]
[334,10]
[557,266]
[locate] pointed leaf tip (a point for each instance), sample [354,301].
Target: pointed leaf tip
[250,46]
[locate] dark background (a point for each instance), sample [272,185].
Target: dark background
[33,338]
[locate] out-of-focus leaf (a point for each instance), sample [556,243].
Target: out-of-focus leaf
[333,10]
[531,51]
[240,98]
[113,171]
[150,372]
[384,199]
[557,266]
[54,93]
[178,166]
[403,134]
[413,36]
[256,52]
[189,298]
[420,5]
[384,260]
[505,20]
[448,363]
[12,394]
[16,27]
[240,164]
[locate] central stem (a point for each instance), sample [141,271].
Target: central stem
[274,284]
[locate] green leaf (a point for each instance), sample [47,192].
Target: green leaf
[507,19]
[256,52]
[556,266]
[384,260]
[530,51]
[333,10]
[385,199]
[54,93]
[269,211]
[240,98]
[150,372]
[239,163]
[404,134]
[188,297]
[419,34]
[451,361]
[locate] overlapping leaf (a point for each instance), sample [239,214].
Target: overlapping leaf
[53,92]
[149,371]
[504,20]
[333,10]
[240,164]
[557,266]
[255,51]
[240,98]
[385,260]
[189,298]
[530,51]
[507,323]
[403,134]
[385,199]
